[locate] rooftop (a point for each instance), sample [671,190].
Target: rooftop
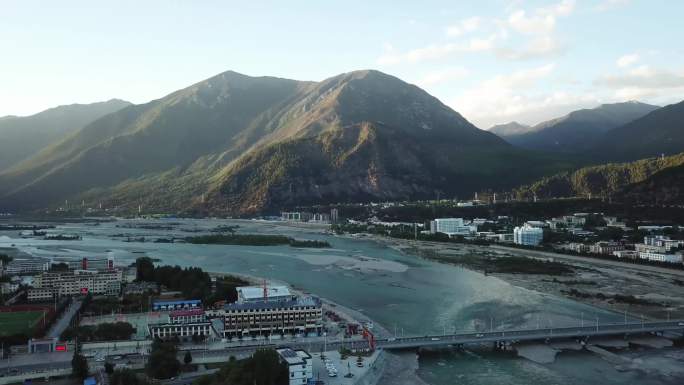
[293,357]
[258,305]
[247,293]
[186,313]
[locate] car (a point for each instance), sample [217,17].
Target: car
[434,339]
[391,339]
[332,374]
[359,364]
[479,335]
[681,324]
[99,359]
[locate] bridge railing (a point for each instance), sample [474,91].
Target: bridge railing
[511,334]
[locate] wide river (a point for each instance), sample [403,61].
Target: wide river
[404,293]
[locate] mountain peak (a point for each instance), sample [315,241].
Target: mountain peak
[510,128]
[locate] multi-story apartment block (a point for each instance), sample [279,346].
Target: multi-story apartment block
[81,282]
[255,314]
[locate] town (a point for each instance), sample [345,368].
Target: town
[104,323]
[590,234]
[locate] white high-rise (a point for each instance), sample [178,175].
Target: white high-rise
[451,226]
[528,235]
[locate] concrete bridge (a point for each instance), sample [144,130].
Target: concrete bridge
[529,335]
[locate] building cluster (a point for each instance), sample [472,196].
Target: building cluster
[602,248]
[86,276]
[306,216]
[660,248]
[656,248]
[258,311]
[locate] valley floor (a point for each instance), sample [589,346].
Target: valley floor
[651,292]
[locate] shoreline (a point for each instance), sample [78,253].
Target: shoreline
[603,284]
[396,368]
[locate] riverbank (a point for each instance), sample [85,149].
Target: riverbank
[392,368]
[640,291]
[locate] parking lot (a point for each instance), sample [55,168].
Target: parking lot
[343,366]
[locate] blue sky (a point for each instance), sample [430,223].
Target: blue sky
[492,60]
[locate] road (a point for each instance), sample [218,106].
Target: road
[65,319]
[38,363]
[597,330]
[588,260]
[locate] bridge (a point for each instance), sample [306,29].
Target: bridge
[522,335]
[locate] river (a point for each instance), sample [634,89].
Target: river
[403,293]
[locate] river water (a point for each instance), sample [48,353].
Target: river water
[405,294]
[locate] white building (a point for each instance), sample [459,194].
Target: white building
[27,265]
[41,294]
[660,248]
[288,315]
[451,227]
[626,254]
[181,330]
[299,365]
[82,282]
[661,257]
[528,235]
[567,221]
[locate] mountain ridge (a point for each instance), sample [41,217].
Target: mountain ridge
[187,150]
[579,130]
[23,136]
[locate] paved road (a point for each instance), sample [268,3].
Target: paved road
[63,322]
[588,260]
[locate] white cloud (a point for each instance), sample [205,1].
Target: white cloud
[627,60]
[510,97]
[541,47]
[442,76]
[541,21]
[643,77]
[435,51]
[644,83]
[464,26]
[607,5]
[536,24]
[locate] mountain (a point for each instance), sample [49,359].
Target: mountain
[659,132]
[22,137]
[236,144]
[665,187]
[604,180]
[579,130]
[509,129]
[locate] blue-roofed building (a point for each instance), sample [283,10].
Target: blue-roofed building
[284,314]
[176,305]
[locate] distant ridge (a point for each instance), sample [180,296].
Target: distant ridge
[579,130]
[660,132]
[22,137]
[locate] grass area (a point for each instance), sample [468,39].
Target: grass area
[254,240]
[19,322]
[508,265]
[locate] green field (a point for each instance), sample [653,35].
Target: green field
[19,322]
